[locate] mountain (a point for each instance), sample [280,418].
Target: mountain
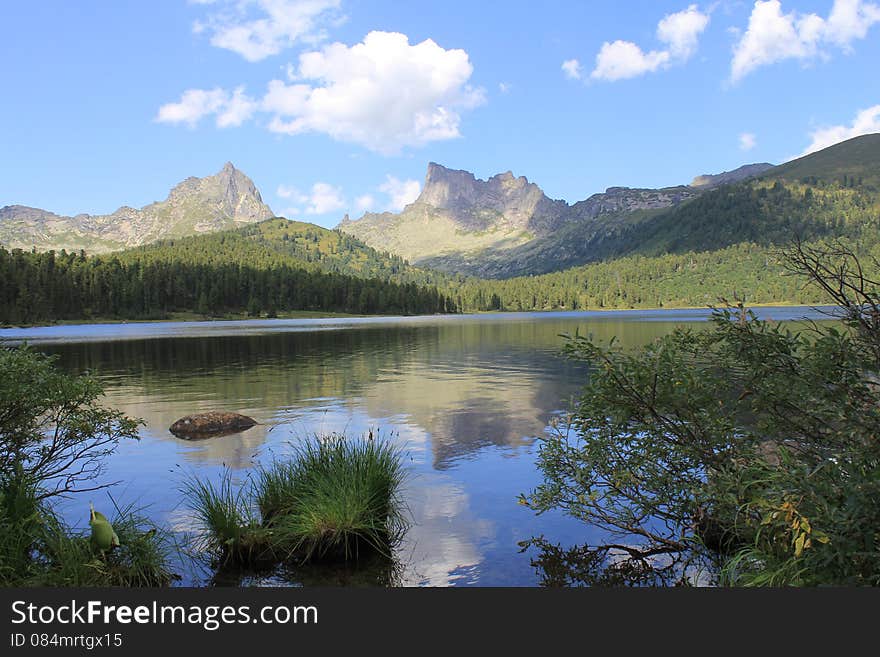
[197,205]
[727,177]
[723,243]
[506,226]
[457,212]
[674,247]
[833,193]
[858,159]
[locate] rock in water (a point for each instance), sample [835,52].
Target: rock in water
[210,425]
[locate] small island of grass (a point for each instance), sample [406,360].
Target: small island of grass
[334,499]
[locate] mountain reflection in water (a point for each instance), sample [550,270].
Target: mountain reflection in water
[464,396]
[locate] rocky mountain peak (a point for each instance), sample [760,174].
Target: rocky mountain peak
[457,213]
[196,205]
[470,199]
[444,187]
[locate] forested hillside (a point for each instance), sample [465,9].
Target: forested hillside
[40,287]
[767,212]
[693,279]
[280,240]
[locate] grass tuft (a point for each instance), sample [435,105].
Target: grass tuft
[334,499]
[38,549]
[231,529]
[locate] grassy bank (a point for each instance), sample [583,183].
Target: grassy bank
[37,548]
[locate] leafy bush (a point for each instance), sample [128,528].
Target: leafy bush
[746,447]
[54,438]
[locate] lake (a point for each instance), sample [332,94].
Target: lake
[464,396]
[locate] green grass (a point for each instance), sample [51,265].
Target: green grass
[38,549]
[334,499]
[141,560]
[231,530]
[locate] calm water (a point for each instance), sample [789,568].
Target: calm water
[466,397]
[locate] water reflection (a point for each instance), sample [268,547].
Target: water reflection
[465,397]
[582,565]
[470,386]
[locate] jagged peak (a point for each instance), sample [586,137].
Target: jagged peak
[508,176]
[439,174]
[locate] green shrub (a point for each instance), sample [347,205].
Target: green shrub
[54,438]
[749,448]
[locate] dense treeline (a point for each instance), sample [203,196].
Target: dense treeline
[672,280]
[38,287]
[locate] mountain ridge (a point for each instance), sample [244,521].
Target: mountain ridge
[506,225]
[193,206]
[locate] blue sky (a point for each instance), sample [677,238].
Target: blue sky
[334,106]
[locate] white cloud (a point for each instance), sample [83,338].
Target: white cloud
[323,198]
[288,192]
[747,141]
[365,202]
[619,60]
[850,20]
[624,59]
[400,192]
[772,36]
[283,99]
[383,93]
[681,31]
[866,122]
[236,110]
[504,87]
[572,69]
[256,29]
[195,104]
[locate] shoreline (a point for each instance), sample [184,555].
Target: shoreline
[294,315]
[186,317]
